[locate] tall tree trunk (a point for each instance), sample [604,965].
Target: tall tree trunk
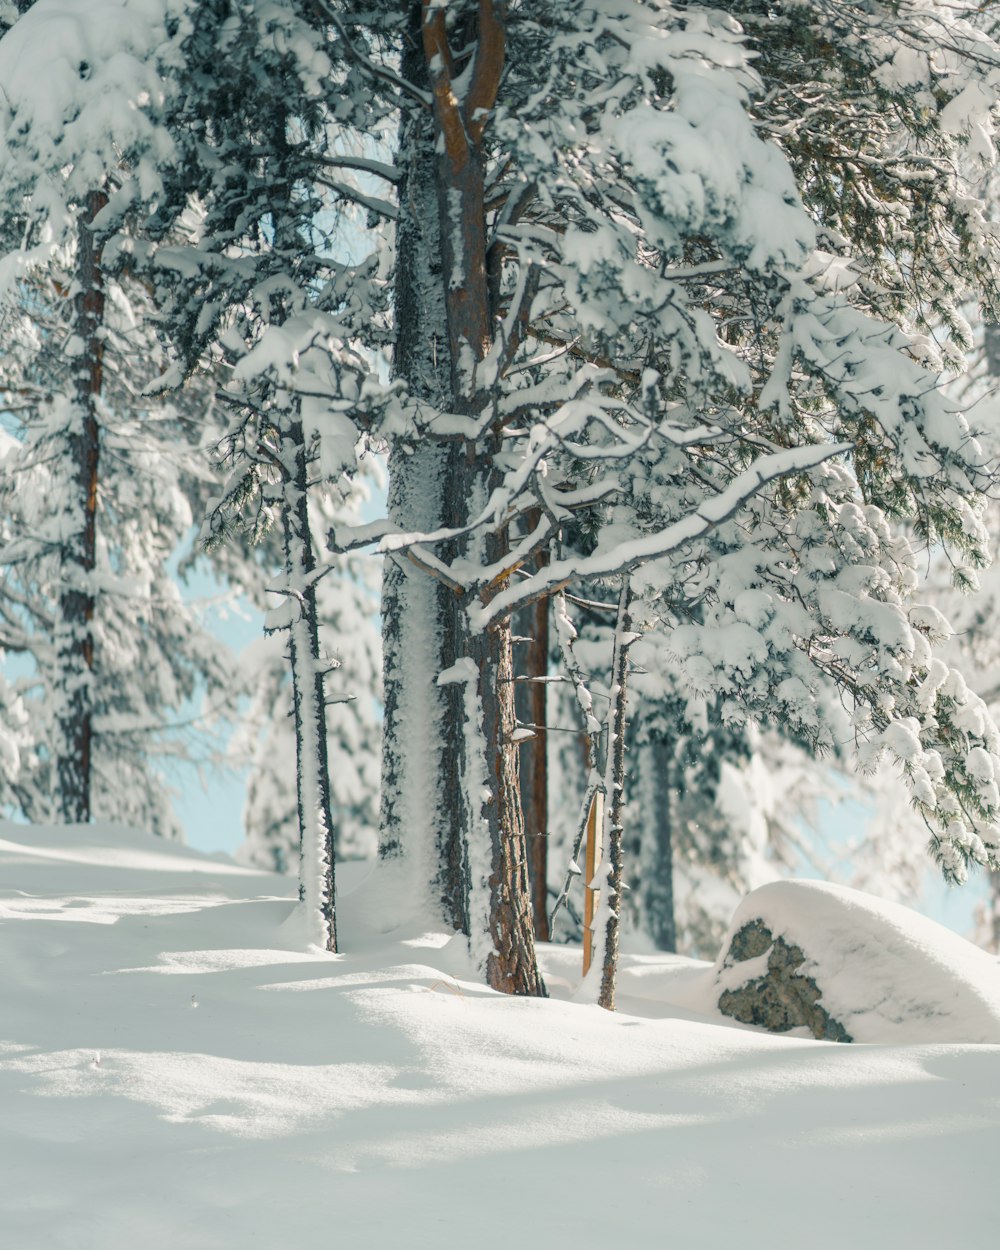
[422,813]
[531,702]
[492,792]
[312,776]
[658,861]
[75,636]
[609,917]
[500,899]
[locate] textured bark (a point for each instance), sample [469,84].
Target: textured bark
[530,697]
[512,966]
[312,775]
[460,125]
[658,887]
[75,638]
[613,828]
[422,813]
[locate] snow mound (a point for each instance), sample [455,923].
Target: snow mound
[174,1075]
[885,973]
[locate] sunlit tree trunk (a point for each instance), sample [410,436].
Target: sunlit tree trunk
[422,812]
[491,790]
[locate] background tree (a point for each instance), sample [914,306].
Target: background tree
[116,665]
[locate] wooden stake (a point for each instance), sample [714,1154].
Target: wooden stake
[595,825]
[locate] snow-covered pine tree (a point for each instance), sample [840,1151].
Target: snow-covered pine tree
[622,311]
[641,326]
[94,500]
[258,108]
[347,607]
[831,369]
[97,475]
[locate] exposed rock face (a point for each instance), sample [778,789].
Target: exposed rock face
[780,999]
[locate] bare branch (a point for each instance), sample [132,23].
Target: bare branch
[440,69]
[362,165]
[487,69]
[381,72]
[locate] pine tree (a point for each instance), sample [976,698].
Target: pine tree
[347,602]
[625,333]
[96,473]
[94,498]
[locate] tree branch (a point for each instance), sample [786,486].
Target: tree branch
[487,69]
[440,69]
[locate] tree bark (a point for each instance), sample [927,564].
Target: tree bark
[511,964]
[75,636]
[532,623]
[422,813]
[611,900]
[312,775]
[460,126]
[658,887]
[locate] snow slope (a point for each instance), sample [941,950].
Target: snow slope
[173,1076]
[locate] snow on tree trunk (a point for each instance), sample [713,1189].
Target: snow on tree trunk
[316,882]
[74,628]
[421,814]
[421,822]
[532,650]
[492,788]
[609,873]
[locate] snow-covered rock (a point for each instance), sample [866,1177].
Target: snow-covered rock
[846,966]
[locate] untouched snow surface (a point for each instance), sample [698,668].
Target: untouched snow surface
[172,1077]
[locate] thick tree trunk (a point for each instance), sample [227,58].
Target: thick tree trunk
[75,637]
[489,765]
[501,904]
[312,777]
[422,812]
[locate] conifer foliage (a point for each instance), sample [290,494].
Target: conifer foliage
[618,315]
[96,476]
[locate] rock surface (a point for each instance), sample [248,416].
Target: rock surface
[781,998]
[835,963]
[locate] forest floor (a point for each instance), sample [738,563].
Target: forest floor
[174,1077]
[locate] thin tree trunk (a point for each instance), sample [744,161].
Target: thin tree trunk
[658,883]
[312,776]
[75,637]
[611,890]
[533,624]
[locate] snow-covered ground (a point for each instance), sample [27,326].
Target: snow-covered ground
[174,1077]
